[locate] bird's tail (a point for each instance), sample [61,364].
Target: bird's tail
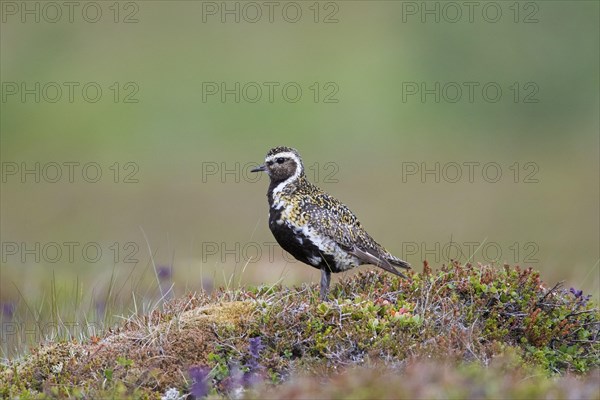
[398,262]
[386,262]
[393,262]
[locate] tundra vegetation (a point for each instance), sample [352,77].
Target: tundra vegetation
[460,331]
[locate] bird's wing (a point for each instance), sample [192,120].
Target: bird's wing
[335,220]
[331,218]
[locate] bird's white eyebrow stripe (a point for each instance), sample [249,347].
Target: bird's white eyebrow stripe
[285,154]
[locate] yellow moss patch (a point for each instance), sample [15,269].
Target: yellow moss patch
[222,313]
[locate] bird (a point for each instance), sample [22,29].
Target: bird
[314,227]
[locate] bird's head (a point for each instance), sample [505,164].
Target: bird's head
[282,164]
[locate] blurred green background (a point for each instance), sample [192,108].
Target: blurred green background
[184,154]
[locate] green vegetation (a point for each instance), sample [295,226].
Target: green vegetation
[462,331]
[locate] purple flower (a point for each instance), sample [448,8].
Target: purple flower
[576,293]
[7,310]
[199,375]
[581,299]
[255,348]
[164,272]
[253,376]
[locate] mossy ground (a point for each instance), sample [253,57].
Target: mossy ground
[462,331]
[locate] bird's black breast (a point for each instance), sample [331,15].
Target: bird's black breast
[292,240]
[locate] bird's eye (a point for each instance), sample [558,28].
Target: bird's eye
[280,160]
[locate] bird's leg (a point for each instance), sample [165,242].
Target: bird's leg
[325,280]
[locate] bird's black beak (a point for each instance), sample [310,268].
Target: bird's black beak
[259,169]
